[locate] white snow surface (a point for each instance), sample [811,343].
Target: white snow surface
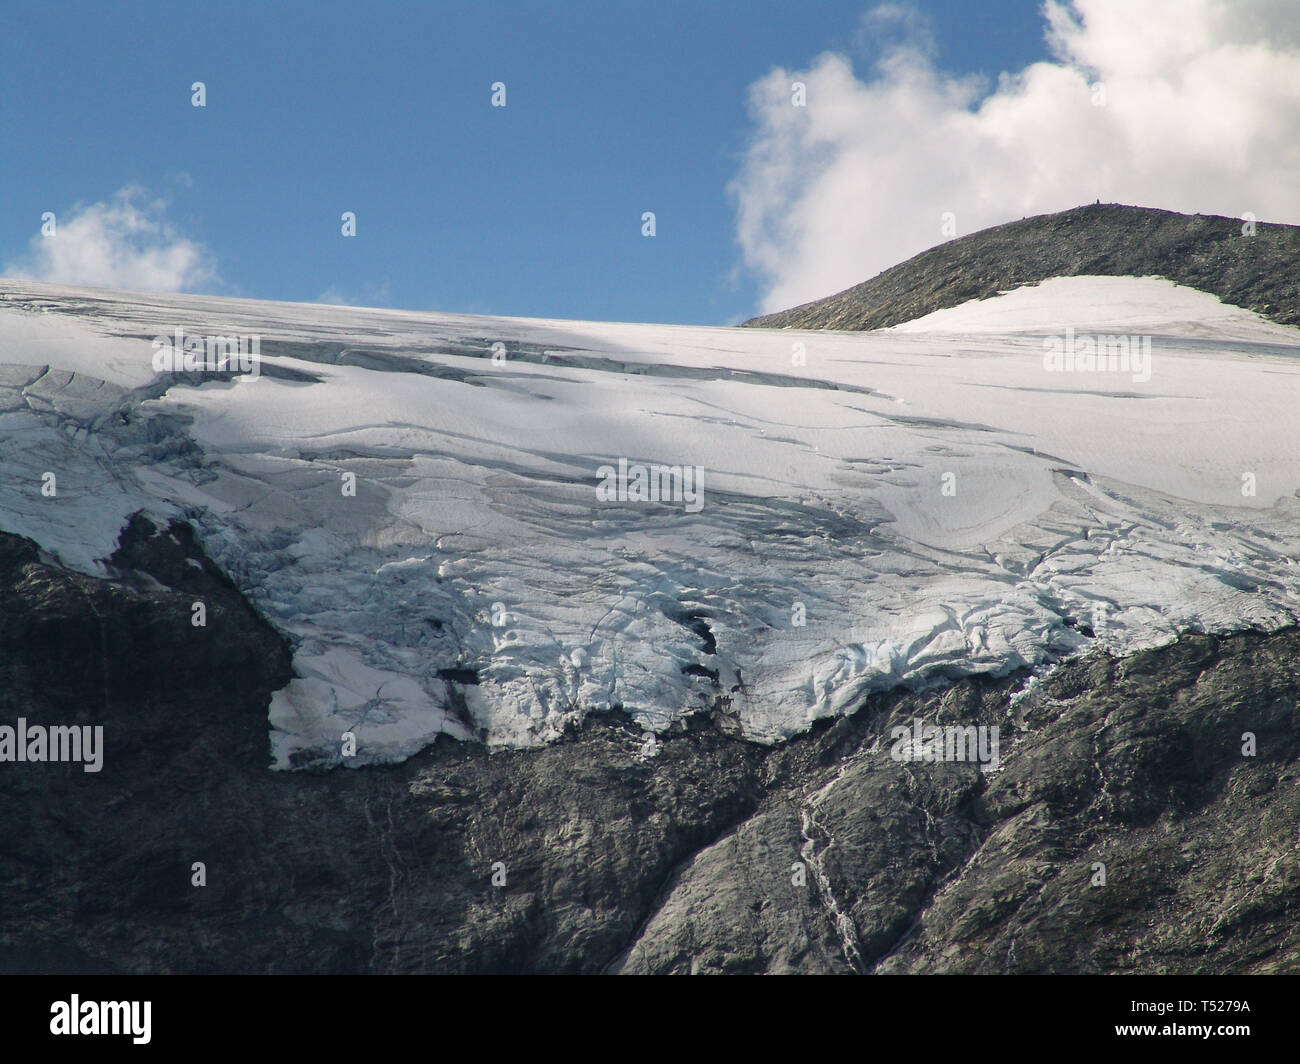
[929,500]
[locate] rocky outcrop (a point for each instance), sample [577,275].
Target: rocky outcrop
[699,853]
[1259,272]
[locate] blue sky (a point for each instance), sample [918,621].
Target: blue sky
[613,108]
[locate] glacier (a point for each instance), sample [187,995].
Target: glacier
[411,499]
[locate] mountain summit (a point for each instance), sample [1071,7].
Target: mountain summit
[1260,272]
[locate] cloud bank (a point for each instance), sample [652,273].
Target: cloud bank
[1189,105]
[124,242]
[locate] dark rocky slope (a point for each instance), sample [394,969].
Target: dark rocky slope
[1260,272]
[677,863]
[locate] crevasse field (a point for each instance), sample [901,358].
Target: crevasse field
[876,508]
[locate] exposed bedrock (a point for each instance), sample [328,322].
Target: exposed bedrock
[1251,267]
[696,852]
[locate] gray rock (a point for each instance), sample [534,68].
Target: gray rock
[1260,272]
[684,861]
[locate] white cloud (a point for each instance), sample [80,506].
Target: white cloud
[372,294]
[1201,114]
[124,242]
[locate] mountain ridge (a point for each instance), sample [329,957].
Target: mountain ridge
[1211,253]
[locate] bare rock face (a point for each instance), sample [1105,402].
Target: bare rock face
[1260,272]
[1124,829]
[741,905]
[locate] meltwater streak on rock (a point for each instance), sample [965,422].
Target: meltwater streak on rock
[476,488]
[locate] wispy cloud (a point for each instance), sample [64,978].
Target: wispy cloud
[123,242]
[371,294]
[1190,105]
